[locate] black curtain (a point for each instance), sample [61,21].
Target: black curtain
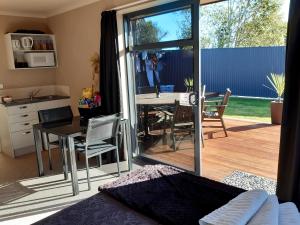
[109,64]
[109,70]
[288,188]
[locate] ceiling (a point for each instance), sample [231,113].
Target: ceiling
[47,8]
[40,8]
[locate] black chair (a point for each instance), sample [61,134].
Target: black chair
[51,116]
[100,132]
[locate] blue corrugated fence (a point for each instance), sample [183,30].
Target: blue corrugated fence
[243,70]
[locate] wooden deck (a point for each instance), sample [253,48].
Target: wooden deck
[251,147]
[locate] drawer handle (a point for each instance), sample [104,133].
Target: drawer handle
[23,107]
[28,132]
[26,124]
[24,115]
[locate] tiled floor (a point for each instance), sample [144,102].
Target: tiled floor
[24,194]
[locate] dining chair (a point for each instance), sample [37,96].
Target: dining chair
[52,116]
[202,98]
[153,113]
[203,90]
[213,111]
[181,121]
[97,140]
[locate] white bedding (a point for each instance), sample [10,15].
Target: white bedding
[254,207]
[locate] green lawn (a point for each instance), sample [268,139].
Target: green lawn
[253,109]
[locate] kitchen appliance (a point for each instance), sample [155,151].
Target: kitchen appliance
[16,45]
[40,59]
[27,43]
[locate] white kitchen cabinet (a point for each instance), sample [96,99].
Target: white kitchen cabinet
[25,125]
[22,117]
[16,135]
[22,141]
[20,109]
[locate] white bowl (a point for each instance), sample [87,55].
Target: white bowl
[7,99]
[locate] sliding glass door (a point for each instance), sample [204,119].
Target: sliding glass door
[163,62]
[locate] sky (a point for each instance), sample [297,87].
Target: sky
[169,21]
[285,9]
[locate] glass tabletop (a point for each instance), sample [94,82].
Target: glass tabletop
[64,128]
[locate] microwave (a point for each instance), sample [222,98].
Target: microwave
[40,59]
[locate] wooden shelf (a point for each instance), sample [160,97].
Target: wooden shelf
[28,34]
[35,68]
[18,55]
[34,50]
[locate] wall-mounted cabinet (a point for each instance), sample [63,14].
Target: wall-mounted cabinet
[31,51]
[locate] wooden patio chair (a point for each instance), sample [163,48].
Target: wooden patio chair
[155,116]
[181,121]
[214,110]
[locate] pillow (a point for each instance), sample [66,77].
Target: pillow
[238,211]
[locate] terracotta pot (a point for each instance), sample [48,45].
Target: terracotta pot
[276,112]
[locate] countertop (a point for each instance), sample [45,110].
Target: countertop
[35,100]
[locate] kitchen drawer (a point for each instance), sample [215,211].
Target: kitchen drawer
[53,104]
[14,127]
[20,109]
[22,139]
[26,116]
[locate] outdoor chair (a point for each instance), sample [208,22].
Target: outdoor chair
[52,116]
[101,137]
[181,122]
[154,112]
[213,111]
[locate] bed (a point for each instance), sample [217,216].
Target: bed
[156,194]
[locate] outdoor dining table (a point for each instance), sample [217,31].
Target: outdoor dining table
[66,132]
[166,98]
[151,99]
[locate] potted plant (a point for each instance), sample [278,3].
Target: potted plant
[90,101]
[189,84]
[277,82]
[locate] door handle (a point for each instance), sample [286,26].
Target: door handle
[195,102]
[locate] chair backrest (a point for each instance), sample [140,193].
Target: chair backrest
[225,101]
[202,104]
[183,113]
[55,115]
[102,128]
[226,96]
[203,89]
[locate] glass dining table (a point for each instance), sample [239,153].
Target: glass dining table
[66,132]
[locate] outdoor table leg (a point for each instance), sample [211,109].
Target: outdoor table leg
[38,148]
[73,166]
[146,112]
[128,142]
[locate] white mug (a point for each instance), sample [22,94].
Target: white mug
[16,45]
[27,43]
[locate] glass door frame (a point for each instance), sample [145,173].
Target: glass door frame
[194,41]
